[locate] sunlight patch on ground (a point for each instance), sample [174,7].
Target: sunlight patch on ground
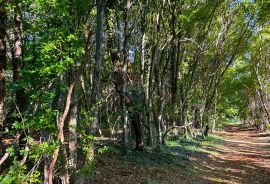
[236,158]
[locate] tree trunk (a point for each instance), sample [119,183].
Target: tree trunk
[142,49]
[98,62]
[196,117]
[160,109]
[261,90]
[73,135]
[126,55]
[64,164]
[214,115]
[205,123]
[3,58]
[150,96]
[17,60]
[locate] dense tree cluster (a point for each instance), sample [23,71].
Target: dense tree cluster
[73,70]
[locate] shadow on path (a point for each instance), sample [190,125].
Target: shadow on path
[244,157]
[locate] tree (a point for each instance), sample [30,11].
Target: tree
[3,59]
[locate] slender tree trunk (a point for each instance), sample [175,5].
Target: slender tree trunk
[261,90]
[98,61]
[150,96]
[196,117]
[182,105]
[154,61]
[142,49]
[205,122]
[215,115]
[72,141]
[173,62]
[173,77]
[160,70]
[126,55]
[73,134]
[3,58]
[160,109]
[17,53]
[17,64]
[118,33]
[17,60]
[64,164]
[142,77]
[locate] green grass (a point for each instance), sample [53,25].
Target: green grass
[229,121]
[156,163]
[232,121]
[193,147]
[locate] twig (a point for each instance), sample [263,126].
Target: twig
[34,167]
[6,155]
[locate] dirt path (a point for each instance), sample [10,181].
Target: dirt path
[244,157]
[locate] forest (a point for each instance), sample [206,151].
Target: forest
[134,91]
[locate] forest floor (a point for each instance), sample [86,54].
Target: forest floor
[236,155]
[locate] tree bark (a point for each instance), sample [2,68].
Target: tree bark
[3,59]
[126,54]
[261,89]
[73,134]
[98,60]
[154,62]
[17,60]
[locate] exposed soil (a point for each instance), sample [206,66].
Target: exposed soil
[242,158]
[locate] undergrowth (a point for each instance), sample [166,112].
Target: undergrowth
[177,152]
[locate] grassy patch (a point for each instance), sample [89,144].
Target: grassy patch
[156,157]
[232,121]
[195,147]
[175,152]
[153,165]
[229,121]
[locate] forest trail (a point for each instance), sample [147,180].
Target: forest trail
[242,157]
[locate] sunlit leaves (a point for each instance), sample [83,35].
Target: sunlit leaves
[265,32]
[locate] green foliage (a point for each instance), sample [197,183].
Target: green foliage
[151,181]
[38,150]
[173,152]
[10,150]
[216,46]
[232,121]
[13,175]
[18,174]
[235,90]
[268,126]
